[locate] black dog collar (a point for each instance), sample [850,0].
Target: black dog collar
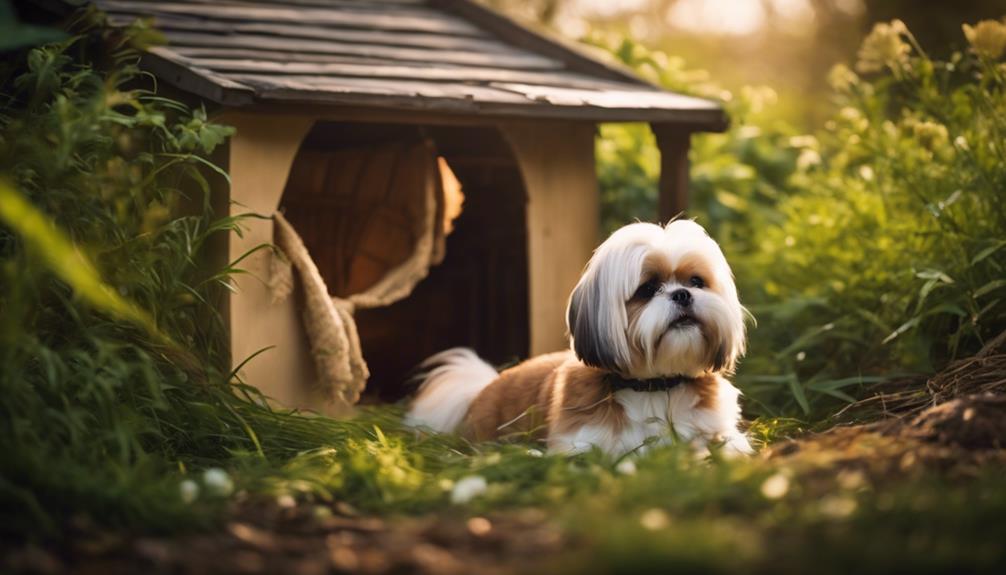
[617,382]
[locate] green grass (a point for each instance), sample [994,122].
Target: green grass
[717,520]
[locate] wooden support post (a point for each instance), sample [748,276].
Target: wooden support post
[673,142]
[557,164]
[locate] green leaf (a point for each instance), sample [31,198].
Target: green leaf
[989,287]
[834,384]
[872,318]
[839,395]
[927,288]
[942,308]
[805,339]
[798,393]
[931,274]
[987,252]
[65,260]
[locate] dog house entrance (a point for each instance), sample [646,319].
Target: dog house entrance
[351,197]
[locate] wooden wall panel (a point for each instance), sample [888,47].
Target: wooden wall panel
[261,154]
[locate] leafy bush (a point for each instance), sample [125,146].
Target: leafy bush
[893,241]
[114,380]
[109,350]
[872,247]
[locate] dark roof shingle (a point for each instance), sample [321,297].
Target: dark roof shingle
[449,55]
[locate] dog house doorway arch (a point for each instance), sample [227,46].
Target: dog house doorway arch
[376,216]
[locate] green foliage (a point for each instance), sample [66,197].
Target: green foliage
[745,517]
[628,166]
[114,381]
[872,247]
[107,345]
[62,258]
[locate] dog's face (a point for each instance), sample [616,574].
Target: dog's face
[657,302]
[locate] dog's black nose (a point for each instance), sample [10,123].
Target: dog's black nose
[682,297]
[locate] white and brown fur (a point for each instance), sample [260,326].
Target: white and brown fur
[627,315]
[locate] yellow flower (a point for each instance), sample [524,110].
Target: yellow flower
[883,47]
[930,134]
[841,78]
[807,159]
[987,38]
[155,215]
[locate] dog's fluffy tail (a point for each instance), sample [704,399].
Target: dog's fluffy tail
[454,379]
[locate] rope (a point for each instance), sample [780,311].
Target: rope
[328,320]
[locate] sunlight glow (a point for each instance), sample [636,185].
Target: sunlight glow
[735,17]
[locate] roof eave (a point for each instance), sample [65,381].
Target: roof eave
[707,120]
[200,82]
[216,88]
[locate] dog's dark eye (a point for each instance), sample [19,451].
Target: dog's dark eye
[697,282]
[647,290]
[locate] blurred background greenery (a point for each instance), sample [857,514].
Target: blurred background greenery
[858,190]
[786,44]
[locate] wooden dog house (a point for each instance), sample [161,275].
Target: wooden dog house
[509,113]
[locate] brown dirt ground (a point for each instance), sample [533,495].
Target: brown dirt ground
[262,537]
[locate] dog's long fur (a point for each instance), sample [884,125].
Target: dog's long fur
[629,315]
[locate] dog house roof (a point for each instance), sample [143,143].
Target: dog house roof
[451,56]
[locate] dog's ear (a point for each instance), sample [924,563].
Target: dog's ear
[731,346]
[594,340]
[722,362]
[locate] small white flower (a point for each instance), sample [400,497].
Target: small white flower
[535,452]
[189,490]
[626,467]
[218,482]
[468,488]
[775,487]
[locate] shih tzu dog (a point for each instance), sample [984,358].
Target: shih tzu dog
[656,327]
